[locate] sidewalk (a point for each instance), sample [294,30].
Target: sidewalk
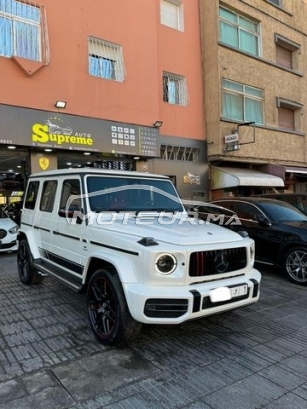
[250,358]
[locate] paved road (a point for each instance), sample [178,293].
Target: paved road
[250,358]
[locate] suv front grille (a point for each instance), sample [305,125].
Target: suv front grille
[205,263]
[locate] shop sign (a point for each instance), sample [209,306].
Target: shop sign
[18,193]
[191,179]
[64,131]
[231,138]
[44,163]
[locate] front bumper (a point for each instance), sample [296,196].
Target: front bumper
[174,305]
[8,244]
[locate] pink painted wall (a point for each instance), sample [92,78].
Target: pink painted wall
[148,48]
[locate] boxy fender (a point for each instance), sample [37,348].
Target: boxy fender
[123,267]
[31,240]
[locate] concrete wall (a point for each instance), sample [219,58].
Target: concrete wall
[271,144]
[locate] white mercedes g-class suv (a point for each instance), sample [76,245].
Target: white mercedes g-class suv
[126,240]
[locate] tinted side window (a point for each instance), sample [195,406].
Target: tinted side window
[215,210]
[225,203]
[31,195]
[246,211]
[301,203]
[48,196]
[71,187]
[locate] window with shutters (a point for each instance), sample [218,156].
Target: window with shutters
[105,60]
[289,115]
[284,57]
[286,119]
[171,14]
[287,52]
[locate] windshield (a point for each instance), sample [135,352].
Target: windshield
[282,212]
[132,194]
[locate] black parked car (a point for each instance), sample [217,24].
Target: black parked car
[278,228]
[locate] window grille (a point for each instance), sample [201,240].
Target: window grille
[239,31]
[175,89]
[23,31]
[179,153]
[109,164]
[106,60]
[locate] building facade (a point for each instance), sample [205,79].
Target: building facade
[255,59]
[113,84]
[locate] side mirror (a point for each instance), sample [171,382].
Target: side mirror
[243,233]
[262,220]
[71,212]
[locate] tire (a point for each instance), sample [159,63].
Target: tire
[108,312]
[295,265]
[27,273]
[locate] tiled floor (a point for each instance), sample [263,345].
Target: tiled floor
[249,358]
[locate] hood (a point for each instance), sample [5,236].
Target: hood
[296,224]
[6,223]
[182,231]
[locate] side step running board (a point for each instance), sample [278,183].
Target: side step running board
[46,272]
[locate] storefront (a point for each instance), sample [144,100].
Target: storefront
[230,181]
[35,140]
[296,179]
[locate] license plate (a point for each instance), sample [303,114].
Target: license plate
[239,291]
[226,293]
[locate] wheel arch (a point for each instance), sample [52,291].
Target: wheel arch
[22,235]
[116,265]
[294,265]
[108,310]
[287,247]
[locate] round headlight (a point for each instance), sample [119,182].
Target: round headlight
[166,263]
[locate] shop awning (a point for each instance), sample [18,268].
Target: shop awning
[294,169]
[230,177]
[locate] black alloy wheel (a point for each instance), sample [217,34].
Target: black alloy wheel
[27,273]
[108,312]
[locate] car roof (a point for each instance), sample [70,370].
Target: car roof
[281,195]
[95,171]
[249,199]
